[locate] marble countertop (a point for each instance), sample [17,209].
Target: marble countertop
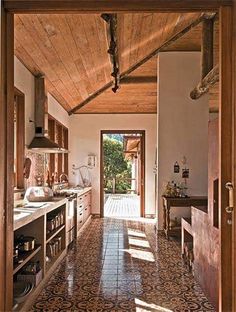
[24,214]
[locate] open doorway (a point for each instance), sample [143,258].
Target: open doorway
[122,173]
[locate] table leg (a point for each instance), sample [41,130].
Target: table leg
[167,220]
[182,240]
[164,216]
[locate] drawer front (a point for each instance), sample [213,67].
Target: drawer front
[86,213]
[87,199]
[80,199]
[80,206]
[80,219]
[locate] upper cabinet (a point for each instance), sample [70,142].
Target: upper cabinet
[58,133]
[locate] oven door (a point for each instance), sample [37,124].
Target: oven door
[71,213]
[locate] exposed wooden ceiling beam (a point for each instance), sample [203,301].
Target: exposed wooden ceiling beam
[207,46]
[210,75]
[203,87]
[111,20]
[144,60]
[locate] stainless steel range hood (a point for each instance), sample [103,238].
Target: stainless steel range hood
[41,143]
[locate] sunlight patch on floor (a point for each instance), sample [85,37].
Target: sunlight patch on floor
[132,232]
[140,254]
[143,306]
[139,243]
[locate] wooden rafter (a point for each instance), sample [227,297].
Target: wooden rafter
[210,75]
[207,46]
[144,60]
[208,81]
[111,20]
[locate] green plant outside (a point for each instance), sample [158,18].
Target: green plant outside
[116,167]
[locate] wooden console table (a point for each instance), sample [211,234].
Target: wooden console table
[169,202]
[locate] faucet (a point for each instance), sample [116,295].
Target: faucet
[63,175]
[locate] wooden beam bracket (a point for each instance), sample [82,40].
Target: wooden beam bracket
[208,81]
[111,20]
[207,45]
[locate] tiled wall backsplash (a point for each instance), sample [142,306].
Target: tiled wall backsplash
[38,167]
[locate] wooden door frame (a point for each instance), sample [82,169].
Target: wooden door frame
[142,193]
[8,8]
[7,159]
[225,156]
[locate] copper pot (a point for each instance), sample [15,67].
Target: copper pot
[26,243]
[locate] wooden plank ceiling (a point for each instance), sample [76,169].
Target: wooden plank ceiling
[71,51]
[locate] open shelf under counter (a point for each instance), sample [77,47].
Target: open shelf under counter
[26,256]
[55,261]
[54,233]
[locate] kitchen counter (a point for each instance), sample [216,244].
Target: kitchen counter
[24,215]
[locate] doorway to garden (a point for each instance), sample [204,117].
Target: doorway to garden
[122,173]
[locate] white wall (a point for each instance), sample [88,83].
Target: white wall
[24,81]
[85,138]
[182,125]
[57,111]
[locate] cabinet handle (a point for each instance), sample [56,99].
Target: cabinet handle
[80,221]
[230,188]
[80,214]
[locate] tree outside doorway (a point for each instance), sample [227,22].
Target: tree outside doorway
[117,169]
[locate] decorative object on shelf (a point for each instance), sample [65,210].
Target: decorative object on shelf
[26,243]
[92,161]
[176,167]
[54,221]
[53,248]
[27,166]
[185,173]
[39,180]
[84,175]
[175,189]
[170,189]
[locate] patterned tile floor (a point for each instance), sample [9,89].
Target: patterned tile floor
[121,265]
